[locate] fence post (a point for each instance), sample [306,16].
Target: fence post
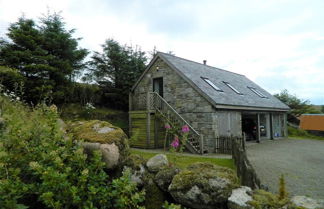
[243,142]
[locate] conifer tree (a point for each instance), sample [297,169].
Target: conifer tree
[116,69]
[46,54]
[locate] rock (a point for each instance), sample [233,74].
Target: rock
[103,136]
[135,161]
[154,196]
[110,152]
[138,175]
[90,147]
[164,177]
[104,130]
[239,198]
[203,185]
[154,164]
[306,202]
[136,164]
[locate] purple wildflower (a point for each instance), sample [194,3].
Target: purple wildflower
[185,128]
[175,142]
[167,126]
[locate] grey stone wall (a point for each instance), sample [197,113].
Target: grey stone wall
[184,99]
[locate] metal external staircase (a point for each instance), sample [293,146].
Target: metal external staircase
[195,142]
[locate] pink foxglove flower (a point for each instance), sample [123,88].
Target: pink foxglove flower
[167,126]
[185,128]
[175,143]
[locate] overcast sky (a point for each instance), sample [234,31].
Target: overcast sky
[277,44]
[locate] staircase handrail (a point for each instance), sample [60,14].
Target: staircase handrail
[175,112]
[179,117]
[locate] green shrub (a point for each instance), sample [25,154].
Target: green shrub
[42,168]
[167,205]
[11,79]
[297,132]
[266,200]
[283,194]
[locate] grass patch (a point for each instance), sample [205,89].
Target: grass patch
[302,134]
[183,161]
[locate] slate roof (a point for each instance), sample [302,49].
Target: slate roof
[193,73]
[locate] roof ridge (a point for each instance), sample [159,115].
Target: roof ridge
[199,63]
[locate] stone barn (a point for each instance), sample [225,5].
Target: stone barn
[216,104]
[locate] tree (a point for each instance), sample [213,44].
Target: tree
[297,106]
[116,70]
[45,54]
[65,57]
[12,80]
[322,109]
[24,53]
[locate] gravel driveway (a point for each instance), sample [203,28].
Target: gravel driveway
[301,161]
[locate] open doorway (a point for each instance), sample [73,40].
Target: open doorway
[256,126]
[158,86]
[249,125]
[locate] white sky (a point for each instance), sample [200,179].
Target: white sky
[279,44]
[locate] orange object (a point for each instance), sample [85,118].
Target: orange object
[312,122]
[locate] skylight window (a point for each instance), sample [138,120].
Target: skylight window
[211,84]
[257,92]
[232,87]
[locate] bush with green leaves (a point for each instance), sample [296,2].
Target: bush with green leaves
[11,79]
[168,205]
[267,200]
[42,168]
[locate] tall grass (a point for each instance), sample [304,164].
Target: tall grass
[302,134]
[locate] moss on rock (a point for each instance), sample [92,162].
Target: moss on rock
[203,185]
[211,170]
[90,131]
[154,196]
[135,161]
[102,132]
[164,177]
[200,173]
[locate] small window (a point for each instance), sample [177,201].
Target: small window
[211,84]
[257,92]
[232,87]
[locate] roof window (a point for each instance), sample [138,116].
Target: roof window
[257,92]
[211,84]
[232,87]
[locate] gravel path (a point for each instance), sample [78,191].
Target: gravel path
[301,161]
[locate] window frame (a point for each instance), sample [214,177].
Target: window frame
[210,83]
[257,92]
[232,87]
